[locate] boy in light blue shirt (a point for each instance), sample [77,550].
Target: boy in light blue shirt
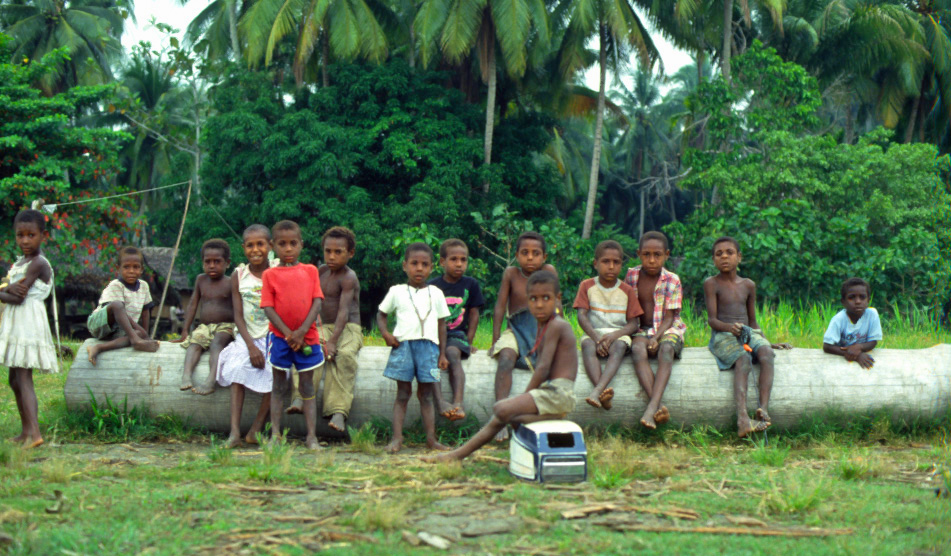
[855,330]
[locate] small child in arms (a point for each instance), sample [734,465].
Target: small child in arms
[418,342]
[213,294]
[607,313]
[661,331]
[464,297]
[26,342]
[855,330]
[242,365]
[512,346]
[731,310]
[290,297]
[550,391]
[122,317]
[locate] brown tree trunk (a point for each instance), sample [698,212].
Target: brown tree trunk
[598,128]
[727,39]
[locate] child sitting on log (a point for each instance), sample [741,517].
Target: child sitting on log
[607,313]
[512,347]
[290,297]
[121,318]
[340,331]
[736,339]
[242,365]
[464,297]
[855,330]
[550,391]
[418,342]
[212,294]
[661,332]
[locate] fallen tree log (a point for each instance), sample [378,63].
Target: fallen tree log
[911,383]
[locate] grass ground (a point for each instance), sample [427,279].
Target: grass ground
[120,481]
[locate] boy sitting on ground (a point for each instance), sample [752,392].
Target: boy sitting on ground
[661,332]
[512,347]
[464,297]
[550,391]
[607,313]
[122,316]
[736,338]
[340,333]
[213,296]
[290,297]
[855,330]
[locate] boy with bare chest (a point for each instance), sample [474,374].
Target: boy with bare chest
[213,294]
[340,330]
[736,340]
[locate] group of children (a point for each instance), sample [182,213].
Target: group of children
[277,324]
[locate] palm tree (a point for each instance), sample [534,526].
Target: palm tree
[618,28]
[455,27]
[88,29]
[215,29]
[344,29]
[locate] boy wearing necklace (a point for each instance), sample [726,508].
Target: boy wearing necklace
[418,342]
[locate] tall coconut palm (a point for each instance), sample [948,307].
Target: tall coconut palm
[89,30]
[454,27]
[618,29]
[343,29]
[215,29]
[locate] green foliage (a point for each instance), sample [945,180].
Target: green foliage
[770,456]
[45,154]
[810,212]
[110,422]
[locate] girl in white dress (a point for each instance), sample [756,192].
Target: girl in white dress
[25,339]
[242,364]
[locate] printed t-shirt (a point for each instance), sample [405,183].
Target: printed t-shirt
[609,308]
[291,290]
[136,299]
[460,297]
[412,306]
[843,333]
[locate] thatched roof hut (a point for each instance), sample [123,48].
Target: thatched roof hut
[159,259]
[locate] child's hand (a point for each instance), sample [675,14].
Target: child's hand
[443,362]
[852,352]
[296,339]
[736,329]
[604,344]
[472,349]
[180,340]
[783,345]
[391,340]
[18,289]
[257,358]
[330,350]
[652,346]
[864,360]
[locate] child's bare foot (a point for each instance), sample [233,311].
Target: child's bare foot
[606,397]
[502,435]
[297,406]
[763,416]
[438,446]
[92,352]
[150,346]
[648,419]
[252,436]
[186,383]
[457,413]
[338,422]
[234,440]
[440,458]
[446,409]
[30,442]
[18,438]
[594,398]
[206,388]
[394,446]
[662,415]
[311,443]
[747,426]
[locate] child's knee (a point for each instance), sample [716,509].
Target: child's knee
[588,347]
[507,359]
[639,351]
[743,364]
[765,354]
[424,392]
[665,353]
[618,348]
[454,355]
[403,394]
[500,411]
[306,386]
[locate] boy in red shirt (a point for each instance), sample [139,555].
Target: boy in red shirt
[290,297]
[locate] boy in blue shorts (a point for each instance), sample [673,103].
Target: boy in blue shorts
[418,342]
[855,330]
[290,297]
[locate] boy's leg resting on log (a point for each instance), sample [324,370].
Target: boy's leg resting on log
[657,414]
[309,396]
[297,404]
[117,316]
[192,355]
[767,359]
[258,425]
[404,390]
[278,389]
[30,413]
[237,404]
[503,383]
[503,412]
[601,396]
[218,343]
[424,392]
[741,375]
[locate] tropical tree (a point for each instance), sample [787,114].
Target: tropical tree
[455,27]
[343,29]
[214,30]
[89,30]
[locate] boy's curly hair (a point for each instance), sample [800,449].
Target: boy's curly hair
[31,216]
[339,232]
[131,251]
[659,236]
[217,243]
[852,282]
[449,244]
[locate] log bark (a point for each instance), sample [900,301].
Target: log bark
[912,383]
